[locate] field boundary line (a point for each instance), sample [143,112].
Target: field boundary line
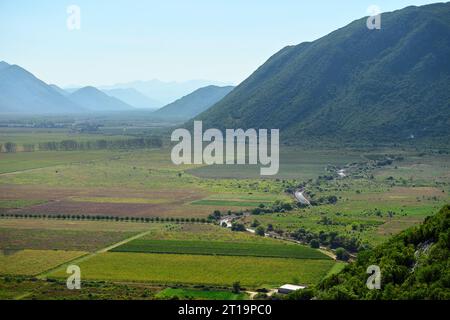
[23,171]
[43,275]
[23,296]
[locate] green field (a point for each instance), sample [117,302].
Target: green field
[45,239]
[206,270]
[230,203]
[338,267]
[206,232]
[33,262]
[193,294]
[221,248]
[12,162]
[118,200]
[295,163]
[22,136]
[20,203]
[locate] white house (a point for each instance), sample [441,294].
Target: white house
[288,288]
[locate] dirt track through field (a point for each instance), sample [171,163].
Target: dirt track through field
[21,171]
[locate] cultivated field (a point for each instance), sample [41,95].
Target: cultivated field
[33,262]
[192,294]
[125,256]
[206,270]
[21,288]
[41,239]
[221,248]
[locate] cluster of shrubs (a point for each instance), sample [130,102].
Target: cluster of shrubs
[324,200]
[378,213]
[327,239]
[103,218]
[331,199]
[238,227]
[277,207]
[327,221]
[414,266]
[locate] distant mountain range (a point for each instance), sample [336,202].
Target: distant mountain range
[194,103]
[95,100]
[59,90]
[165,92]
[3,65]
[22,92]
[353,84]
[134,98]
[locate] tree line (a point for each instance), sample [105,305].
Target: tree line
[73,145]
[83,217]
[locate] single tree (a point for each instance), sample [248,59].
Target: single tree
[260,231]
[342,254]
[314,243]
[237,287]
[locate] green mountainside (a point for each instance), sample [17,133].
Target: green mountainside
[414,265]
[194,103]
[391,84]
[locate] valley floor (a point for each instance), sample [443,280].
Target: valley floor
[141,228]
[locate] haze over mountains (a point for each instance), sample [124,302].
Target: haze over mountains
[59,90]
[165,92]
[194,103]
[95,100]
[134,98]
[22,92]
[354,83]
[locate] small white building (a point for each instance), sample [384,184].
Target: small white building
[289,288]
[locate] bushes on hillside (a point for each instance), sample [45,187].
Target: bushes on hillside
[413,264]
[239,227]
[328,239]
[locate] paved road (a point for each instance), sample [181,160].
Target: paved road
[301,198]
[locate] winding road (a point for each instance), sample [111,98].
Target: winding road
[301,198]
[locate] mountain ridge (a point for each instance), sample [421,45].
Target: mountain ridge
[165,92]
[194,103]
[22,92]
[354,83]
[134,98]
[94,99]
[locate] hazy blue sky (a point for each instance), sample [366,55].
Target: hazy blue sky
[125,40]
